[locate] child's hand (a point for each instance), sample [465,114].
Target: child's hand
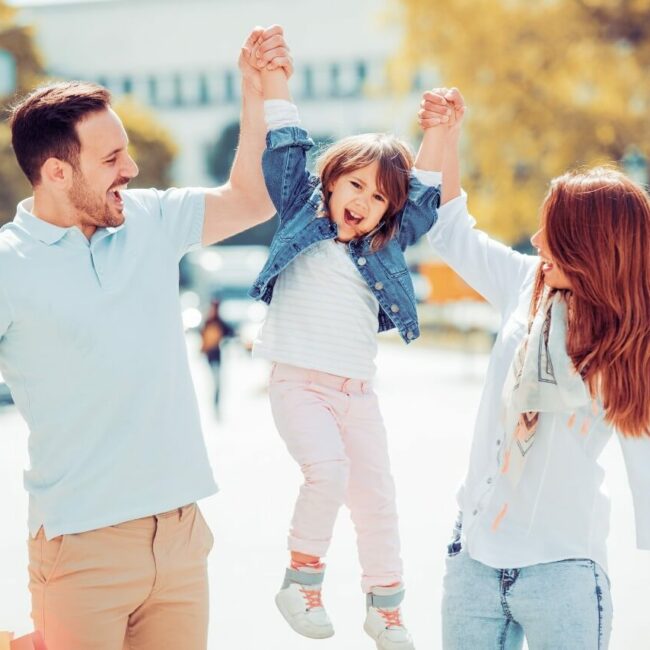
[264,48]
[442,106]
[272,51]
[457,102]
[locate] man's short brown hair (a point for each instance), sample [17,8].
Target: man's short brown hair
[43,124]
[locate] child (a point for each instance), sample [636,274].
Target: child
[336,275]
[569,369]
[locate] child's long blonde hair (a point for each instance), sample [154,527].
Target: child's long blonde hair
[597,226]
[394,160]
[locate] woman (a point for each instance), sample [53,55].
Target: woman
[570,366]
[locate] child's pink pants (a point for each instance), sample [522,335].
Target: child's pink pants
[333,428]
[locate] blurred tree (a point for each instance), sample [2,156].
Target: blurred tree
[151,145]
[550,86]
[219,160]
[13,184]
[18,43]
[222,153]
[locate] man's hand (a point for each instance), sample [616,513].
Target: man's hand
[264,48]
[442,106]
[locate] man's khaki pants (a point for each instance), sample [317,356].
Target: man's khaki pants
[140,585]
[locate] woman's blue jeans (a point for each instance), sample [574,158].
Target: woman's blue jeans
[563,605]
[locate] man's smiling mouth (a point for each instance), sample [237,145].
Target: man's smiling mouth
[115,196]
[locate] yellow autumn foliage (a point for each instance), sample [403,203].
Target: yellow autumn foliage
[151,145]
[550,85]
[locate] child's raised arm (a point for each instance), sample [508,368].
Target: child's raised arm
[496,271]
[429,117]
[275,84]
[430,156]
[284,162]
[420,211]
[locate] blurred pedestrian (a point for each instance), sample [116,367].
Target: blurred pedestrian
[336,275]
[214,333]
[570,368]
[92,346]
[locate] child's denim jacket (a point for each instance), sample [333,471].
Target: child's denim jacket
[297,196]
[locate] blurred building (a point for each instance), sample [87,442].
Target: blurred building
[180,59]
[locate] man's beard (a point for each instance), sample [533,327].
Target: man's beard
[92,209]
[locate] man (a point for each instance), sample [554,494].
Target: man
[91,344]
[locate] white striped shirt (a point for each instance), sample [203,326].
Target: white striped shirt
[323,316]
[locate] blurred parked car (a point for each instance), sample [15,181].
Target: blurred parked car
[225,273]
[5,393]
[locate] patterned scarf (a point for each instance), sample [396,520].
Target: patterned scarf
[541,379]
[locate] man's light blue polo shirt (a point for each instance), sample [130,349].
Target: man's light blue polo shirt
[92,347]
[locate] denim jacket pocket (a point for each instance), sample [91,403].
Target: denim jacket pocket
[391,259]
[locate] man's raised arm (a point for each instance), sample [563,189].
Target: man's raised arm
[243,202]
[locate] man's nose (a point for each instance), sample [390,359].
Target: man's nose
[131,168]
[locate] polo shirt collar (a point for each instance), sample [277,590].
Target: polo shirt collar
[46,232]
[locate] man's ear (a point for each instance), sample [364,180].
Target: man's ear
[56,172]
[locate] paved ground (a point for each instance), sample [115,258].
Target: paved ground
[429,399]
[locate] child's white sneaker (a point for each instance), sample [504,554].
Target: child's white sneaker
[384,621]
[299,601]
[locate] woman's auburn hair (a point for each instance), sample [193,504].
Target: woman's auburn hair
[394,161]
[597,227]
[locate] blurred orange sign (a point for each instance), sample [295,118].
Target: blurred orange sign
[446,284]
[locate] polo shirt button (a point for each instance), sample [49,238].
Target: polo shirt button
[379,286]
[475,512]
[409,335]
[498,442]
[489,481]
[394,308]
[361,261]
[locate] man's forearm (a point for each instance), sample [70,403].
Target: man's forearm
[242,202]
[246,173]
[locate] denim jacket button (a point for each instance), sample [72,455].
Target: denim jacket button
[394,308]
[409,335]
[361,261]
[379,286]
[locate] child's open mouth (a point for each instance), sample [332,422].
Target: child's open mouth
[351,219]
